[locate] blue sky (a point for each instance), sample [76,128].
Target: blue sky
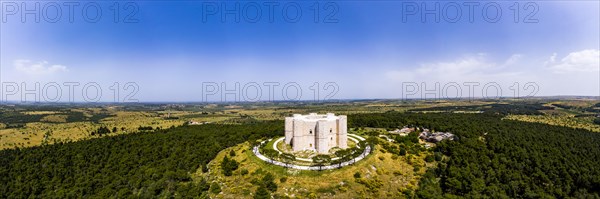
[367,49]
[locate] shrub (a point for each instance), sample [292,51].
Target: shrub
[373,133]
[228,166]
[269,183]
[402,151]
[416,168]
[372,185]
[429,158]
[215,188]
[204,168]
[397,173]
[357,175]
[437,156]
[262,193]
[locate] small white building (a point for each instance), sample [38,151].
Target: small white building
[316,132]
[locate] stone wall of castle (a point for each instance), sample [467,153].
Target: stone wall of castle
[316,132]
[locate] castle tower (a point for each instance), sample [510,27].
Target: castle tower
[316,132]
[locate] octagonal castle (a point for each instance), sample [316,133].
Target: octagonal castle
[316,132]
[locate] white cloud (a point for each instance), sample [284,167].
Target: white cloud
[513,59]
[472,67]
[581,61]
[38,68]
[574,74]
[461,66]
[480,69]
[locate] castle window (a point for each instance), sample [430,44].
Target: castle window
[330,130]
[331,138]
[310,131]
[310,145]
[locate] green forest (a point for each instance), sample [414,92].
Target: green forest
[16,117]
[492,158]
[526,108]
[146,164]
[503,158]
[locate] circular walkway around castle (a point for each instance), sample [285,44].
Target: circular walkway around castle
[353,137]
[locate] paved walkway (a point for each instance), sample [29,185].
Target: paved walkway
[353,138]
[276,149]
[357,137]
[314,168]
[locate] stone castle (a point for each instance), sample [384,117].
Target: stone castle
[316,132]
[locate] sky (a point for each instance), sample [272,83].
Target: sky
[190,51]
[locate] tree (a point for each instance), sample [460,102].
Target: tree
[271,153]
[429,158]
[438,156]
[204,168]
[321,160]
[402,151]
[103,130]
[228,166]
[262,193]
[357,175]
[355,152]
[344,155]
[215,188]
[269,182]
[287,158]
[145,128]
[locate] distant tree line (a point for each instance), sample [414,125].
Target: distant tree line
[520,108]
[145,128]
[18,118]
[103,130]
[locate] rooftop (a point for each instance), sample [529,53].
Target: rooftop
[315,116]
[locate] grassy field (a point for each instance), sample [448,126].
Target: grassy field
[559,120]
[54,128]
[37,125]
[33,125]
[568,113]
[382,176]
